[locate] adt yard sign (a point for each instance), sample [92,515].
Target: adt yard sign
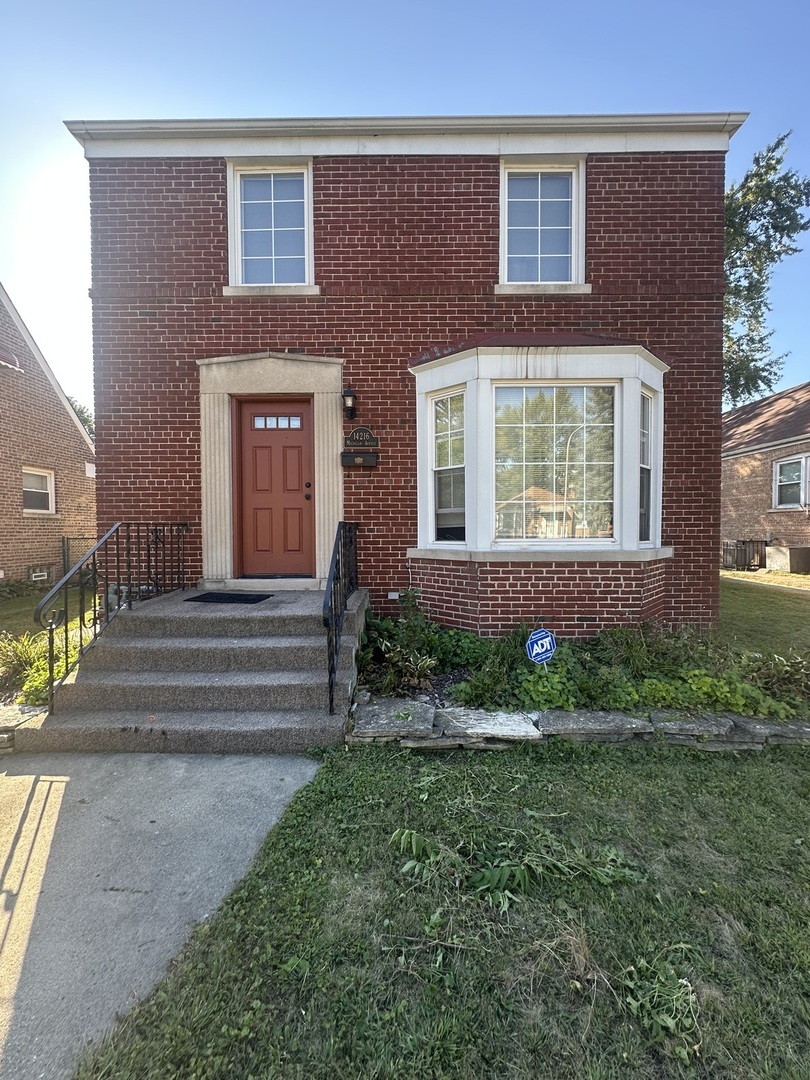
[540,646]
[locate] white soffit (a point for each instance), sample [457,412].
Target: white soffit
[492,135]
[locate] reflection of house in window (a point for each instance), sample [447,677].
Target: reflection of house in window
[540,514]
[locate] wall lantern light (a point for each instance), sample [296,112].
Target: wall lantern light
[349,403]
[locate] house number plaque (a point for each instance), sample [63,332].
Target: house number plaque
[361,438]
[360,449]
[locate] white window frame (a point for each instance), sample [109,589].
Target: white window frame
[630,370]
[435,469]
[236,286]
[575,167]
[804,482]
[51,489]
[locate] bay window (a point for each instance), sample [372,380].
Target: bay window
[540,449]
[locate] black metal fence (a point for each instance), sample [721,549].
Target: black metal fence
[340,585]
[744,554]
[133,561]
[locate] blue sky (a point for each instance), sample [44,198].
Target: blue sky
[94,60]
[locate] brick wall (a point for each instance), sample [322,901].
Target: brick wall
[406,254]
[748,498]
[37,432]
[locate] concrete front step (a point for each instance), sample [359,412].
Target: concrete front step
[181,732]
[176,615]
[228,690]
[213,654]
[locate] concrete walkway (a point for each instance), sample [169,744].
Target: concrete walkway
[108,862]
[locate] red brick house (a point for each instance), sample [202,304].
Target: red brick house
[47,460]
[766,476]
[527,310]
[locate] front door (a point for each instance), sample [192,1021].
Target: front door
[277,512]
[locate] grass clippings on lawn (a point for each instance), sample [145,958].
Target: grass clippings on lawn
[563,912]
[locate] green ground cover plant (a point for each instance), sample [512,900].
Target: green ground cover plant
[631,669]
[558,912]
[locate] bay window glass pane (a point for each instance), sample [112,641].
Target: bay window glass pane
[449,476]
[553,480]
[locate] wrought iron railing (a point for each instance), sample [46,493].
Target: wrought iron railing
[744,554]
[133,561]
[340,585]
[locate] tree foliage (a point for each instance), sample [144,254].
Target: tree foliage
[764,216]
[85,416]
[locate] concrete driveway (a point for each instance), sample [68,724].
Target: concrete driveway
[107,861]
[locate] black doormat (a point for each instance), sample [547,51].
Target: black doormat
[229,598]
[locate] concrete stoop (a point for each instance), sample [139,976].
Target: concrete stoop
[185,677]
[422,726]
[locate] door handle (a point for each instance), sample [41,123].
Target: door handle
[307,496]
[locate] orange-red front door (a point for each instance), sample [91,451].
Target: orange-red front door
[277,519]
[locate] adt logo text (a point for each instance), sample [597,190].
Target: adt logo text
[540,646]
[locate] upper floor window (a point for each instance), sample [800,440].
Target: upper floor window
[791,483]
[541,225]
[38,491]
[271,230]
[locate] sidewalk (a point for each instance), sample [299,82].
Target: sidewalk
[108,862]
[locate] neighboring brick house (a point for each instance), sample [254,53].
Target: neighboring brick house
[529,310]
[766,470]
[47,460]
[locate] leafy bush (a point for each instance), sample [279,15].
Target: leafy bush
[24,664]
[18,655]
[626,668]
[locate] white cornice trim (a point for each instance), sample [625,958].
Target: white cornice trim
[405,134]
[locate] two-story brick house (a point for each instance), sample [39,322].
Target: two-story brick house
[527,310]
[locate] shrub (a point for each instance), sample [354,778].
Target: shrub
[18,655]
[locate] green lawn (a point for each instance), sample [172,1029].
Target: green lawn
[763,619]
[659,926]
[17,615]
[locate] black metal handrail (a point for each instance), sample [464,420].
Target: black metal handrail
[340,584]
[132,561]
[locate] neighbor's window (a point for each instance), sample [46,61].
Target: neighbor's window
[791,483]
[272,228]
[38,491]
[554,462]
[448,467]
[540,227]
